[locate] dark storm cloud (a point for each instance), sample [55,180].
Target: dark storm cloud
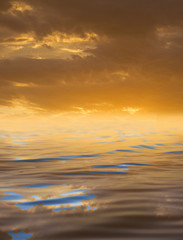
[104,17]
[141,40]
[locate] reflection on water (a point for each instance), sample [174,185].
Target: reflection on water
[75,200]
[20,236]
[125,150]
[12,197]
[144,147]
[42,185]
[68,185]
[55,201]
[111,166]
[174,152]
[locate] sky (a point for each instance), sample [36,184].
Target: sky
[91,56]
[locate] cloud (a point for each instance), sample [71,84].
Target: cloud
[52,46]
[67,54]
[131,110]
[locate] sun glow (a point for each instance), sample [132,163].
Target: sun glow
[131,110]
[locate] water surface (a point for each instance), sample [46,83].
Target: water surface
[72,185]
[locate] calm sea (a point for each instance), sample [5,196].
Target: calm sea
[92,180]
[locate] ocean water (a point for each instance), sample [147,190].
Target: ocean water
[92,180]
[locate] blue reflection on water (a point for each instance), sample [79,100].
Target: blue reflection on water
[73,201]
[177,143]
[171,135]
[124,166]
[12,197]
[63,158]
[174,152]
[144,147]
[137,164]
[6,187]
[36,197]
[123,140]
[42,160]
[20,236]
[43,185]
[55,201]
[110,166]
[124,150]
[91,208]
[83,156]
[108,173]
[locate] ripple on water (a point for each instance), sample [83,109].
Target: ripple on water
[20,236]
[71,199]
[144,147]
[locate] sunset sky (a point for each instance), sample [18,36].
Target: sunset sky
[92,56]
